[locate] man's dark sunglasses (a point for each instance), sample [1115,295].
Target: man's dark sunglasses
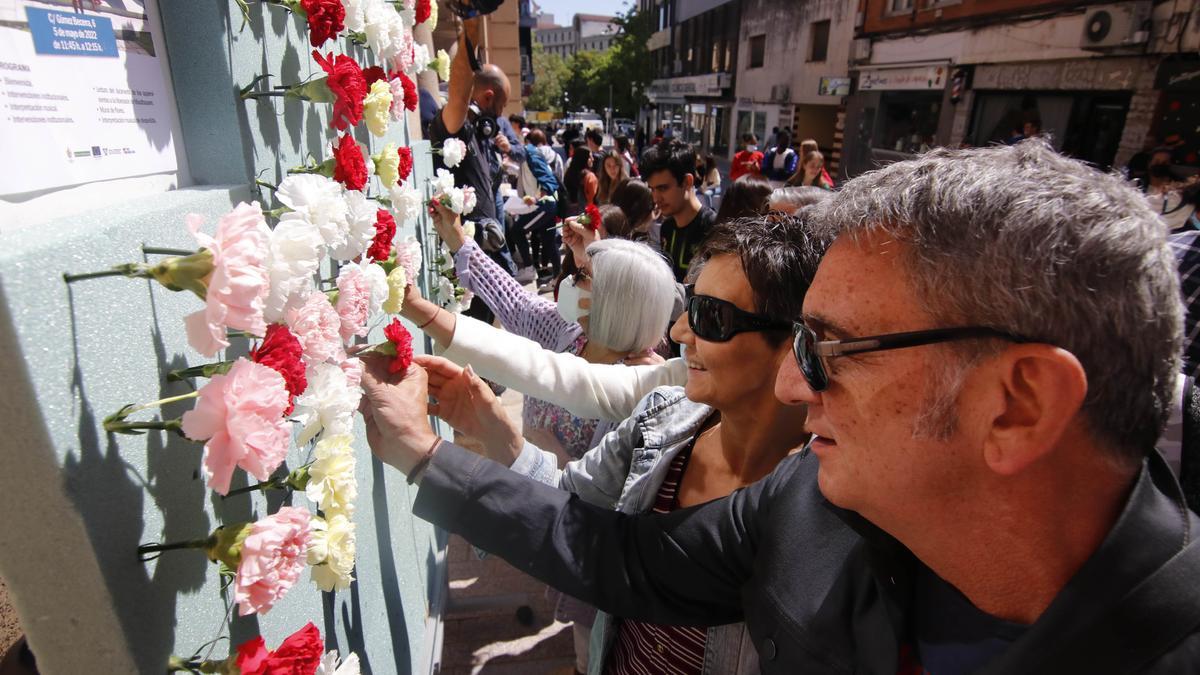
[809,350]
[718,320]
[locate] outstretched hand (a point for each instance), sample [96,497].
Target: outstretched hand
[468,404]
[448,225]
[395,410]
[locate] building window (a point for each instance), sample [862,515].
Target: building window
[820,41]
[899,6]
[907,121]
[758,51]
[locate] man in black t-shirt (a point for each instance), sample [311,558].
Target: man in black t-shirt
[474,96]
[669,169]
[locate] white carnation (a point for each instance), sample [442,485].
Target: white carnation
[329,403]
[421,58]
[361,214]
[453,151]
[320,201]
[442,181]
[406,202]
[296,250]
[329,665]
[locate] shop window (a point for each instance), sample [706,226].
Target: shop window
[752,122]
[1084,126]
[907,121]
[758,51]
[820,41]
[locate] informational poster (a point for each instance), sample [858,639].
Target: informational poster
[83,94]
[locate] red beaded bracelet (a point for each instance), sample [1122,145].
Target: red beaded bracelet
[435,315]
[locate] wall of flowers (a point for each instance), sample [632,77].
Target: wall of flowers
[195,485]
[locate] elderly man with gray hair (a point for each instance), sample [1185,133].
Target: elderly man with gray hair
[987,354]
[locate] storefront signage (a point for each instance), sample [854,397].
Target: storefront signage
[700,85]
[834,86]
[923,77]
[1178,75]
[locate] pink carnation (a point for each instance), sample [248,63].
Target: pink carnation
[408,256]
[240,415]
[353,369]
[273,556]
[240,282]
[317,326]
[354,301]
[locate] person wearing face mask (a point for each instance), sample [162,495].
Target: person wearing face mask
[748,160]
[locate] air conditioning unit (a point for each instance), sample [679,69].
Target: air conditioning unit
[1123,25]
[781,93]
[860,50]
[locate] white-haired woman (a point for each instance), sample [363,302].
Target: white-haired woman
[631,291]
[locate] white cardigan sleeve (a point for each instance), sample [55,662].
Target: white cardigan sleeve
[589,390]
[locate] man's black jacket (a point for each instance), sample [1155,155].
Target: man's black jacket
[820,589]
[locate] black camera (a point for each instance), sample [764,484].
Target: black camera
[486,126]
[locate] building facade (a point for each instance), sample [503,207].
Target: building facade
[1098,79]
[792,71]
[587,33]
[694,55]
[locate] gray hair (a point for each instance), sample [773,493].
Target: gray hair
[1024,240]
[792,199]
[633,291]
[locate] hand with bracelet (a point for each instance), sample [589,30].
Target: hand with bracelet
[395,409]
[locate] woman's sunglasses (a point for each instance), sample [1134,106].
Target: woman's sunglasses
[718,320]
[809,351]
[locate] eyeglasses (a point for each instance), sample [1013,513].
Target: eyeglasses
[809,351]
[718,320]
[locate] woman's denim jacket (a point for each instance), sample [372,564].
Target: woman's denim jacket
[624,472]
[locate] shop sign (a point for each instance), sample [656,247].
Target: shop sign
[700,85]
[923,77]
[659,40]
[834,86]
[1177,75]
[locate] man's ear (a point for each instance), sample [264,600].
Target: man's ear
[689,181]
[1043,389]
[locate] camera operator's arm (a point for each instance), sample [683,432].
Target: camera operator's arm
[462,78]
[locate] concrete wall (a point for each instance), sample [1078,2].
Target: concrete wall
[77,501]
[787,26]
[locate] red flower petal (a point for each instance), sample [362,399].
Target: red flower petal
[406,162]
[423,11]
[300,653]
[325,19]
[281,352]
[345,80]
[593,216]
[385,232]
[350,168]
[252,656]
[399,336]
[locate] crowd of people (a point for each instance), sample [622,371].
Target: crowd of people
[939,418]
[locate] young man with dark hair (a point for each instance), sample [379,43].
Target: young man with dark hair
[669,169]
[595,145]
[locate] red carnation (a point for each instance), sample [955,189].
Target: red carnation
[385,232]
[345,80]
[423,11]
[325,19]
[406,162]
[591,217]
[281,351]
[401,341]
[350,168]
[300,654]
[410,91]
[373,74]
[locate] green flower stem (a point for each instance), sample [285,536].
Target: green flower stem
[263,183]
[294,480]
[273,484]
[121,427]
[155,250]
[146,549]
[203,370]
[262,94]
[69,278]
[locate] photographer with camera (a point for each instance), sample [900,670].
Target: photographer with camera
[477,96]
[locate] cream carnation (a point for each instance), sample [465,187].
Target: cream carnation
[442,63]
[331,483]
[397,281]
[331,555]
[377,107]
[387,165]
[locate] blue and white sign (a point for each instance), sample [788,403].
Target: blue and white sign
[71,34]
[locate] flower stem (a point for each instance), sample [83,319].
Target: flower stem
[204,370]
[263,183]
[263,94]
[159,403]
[122,427]
[155,250]
[69,278]
[145,549]
[257,487]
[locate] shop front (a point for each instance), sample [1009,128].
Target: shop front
[895,113]
[695,109]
